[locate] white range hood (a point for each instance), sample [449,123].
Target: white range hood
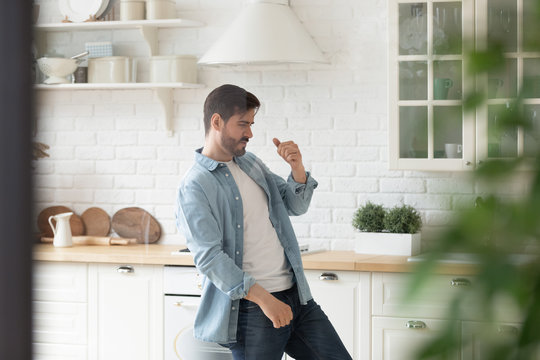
[265,32]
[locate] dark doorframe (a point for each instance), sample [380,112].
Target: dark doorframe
[16,105]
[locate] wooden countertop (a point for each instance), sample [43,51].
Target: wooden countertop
[151,254]
[157,254]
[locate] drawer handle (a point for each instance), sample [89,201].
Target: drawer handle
[460,282]
[415,324]
[125,269]
[183,304]
[328,277]
[507,329]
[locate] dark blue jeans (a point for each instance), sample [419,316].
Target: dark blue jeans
[309,336]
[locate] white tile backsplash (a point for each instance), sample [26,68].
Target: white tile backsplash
[109,148]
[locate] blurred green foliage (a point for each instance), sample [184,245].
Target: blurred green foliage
[502,234]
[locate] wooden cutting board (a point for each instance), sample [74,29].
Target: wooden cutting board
[134,222]
[75,221]
[96,222]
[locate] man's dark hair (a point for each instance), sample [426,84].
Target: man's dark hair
[228,100]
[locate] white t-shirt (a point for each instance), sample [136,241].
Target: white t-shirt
[264,258]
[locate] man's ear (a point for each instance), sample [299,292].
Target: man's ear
[216,122]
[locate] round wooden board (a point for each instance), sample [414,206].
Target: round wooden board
[96,222]
[75,221]
[134,222]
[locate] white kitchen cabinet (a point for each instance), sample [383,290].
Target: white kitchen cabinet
[399,338]
[428,79]
[474,348]
[426,85]
[60,311]
[390,295]
[125,312]
[480,339]
[401,323]
[345,298]
[510,23]
[432,300]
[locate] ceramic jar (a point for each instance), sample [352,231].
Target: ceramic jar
[173,68]
[160,9]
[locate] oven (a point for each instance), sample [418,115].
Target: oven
[182,294]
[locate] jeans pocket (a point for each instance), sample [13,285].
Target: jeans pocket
[248,306]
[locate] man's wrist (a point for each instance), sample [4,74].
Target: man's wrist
[256,294]
[299,175]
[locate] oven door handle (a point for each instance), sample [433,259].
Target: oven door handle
[185,304]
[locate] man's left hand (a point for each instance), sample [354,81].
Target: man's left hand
[290,152]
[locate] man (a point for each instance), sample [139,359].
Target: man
[234,214]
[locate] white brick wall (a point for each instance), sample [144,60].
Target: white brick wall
[110,148]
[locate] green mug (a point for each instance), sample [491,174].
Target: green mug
[440,88]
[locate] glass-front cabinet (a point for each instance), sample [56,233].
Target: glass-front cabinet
[429,128]
[512,24]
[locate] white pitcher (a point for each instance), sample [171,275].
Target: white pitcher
[62,233]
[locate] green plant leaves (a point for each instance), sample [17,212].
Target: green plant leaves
[402,219]
[369,218]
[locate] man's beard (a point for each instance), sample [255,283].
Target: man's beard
[231,145]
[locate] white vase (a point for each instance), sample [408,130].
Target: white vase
[384,243]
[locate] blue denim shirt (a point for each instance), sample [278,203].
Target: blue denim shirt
[210,216]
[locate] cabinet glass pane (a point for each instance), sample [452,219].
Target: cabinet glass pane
[447,28]
[413,133]
[531,26]
[502,141]
[448,130]
[531,78]
[447,80]
[502,82]
[413,80]
[412,29]
[531,142]
[502,23]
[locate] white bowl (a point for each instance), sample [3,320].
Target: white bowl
[57,69]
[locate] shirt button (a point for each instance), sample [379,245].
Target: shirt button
[238,253]
[233,308]
[238,226]
[227,174]
[237,198]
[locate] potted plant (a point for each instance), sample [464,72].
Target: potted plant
[394,231]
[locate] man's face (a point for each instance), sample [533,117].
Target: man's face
[236,133]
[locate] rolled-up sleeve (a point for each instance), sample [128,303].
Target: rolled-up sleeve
[296,196]
[205,236]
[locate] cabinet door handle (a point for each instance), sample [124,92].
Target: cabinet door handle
[507,329]
[415,324]
[328,277]
[125,269]
[183,304]
[460,282]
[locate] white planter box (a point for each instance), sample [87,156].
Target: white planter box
[387,243]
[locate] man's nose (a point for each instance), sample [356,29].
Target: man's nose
[249,133]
